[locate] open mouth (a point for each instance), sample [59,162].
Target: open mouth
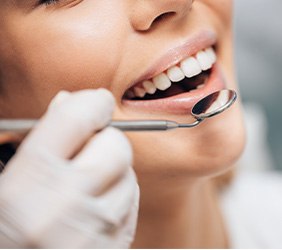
[186,76]
[178,80]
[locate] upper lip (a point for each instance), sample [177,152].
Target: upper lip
[195,43]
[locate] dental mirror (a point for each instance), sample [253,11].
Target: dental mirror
[214,104]
[207,107]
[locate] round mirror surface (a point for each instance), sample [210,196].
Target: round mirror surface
[214,104]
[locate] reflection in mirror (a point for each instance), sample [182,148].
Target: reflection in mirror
[214,104]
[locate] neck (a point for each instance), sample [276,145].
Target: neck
[182,216]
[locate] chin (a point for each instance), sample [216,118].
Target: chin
[207,150]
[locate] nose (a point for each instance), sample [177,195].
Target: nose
[145,13]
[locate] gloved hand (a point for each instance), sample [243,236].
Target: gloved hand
[69,188]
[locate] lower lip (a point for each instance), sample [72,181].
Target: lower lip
[182,103]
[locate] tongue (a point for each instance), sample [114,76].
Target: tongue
[187,84]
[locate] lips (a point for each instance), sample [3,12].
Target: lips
[178,80]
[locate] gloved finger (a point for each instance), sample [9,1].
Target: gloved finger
[121,232]
[102,161]
[59,98]
[127,230]
[67,125]
[97,222]
[117,202]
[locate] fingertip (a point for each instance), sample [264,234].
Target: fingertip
[90,108]
[109,148]
[107,95]
[75,118]
[59,98]
[96,106]
[124,146]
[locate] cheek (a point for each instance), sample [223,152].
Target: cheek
[69,52]
[222,7]
[71,58]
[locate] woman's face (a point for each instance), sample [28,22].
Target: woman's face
[48,46]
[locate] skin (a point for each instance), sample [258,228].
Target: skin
[77,44]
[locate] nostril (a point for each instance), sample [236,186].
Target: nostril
[163,17]
[144,25]
[146,14]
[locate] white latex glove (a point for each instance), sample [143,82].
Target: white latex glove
[69,188]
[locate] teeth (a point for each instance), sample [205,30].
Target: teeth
[210,52]
[162,81]
[200,86]
[204,60]
[150,87]
[189,67]
[139,92]
[130,94]
[175,74]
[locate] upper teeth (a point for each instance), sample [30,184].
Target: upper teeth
[189,67]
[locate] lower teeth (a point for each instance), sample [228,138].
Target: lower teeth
[200,86]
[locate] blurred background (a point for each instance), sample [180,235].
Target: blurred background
[258,35]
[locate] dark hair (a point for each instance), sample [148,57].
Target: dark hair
[6,153]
